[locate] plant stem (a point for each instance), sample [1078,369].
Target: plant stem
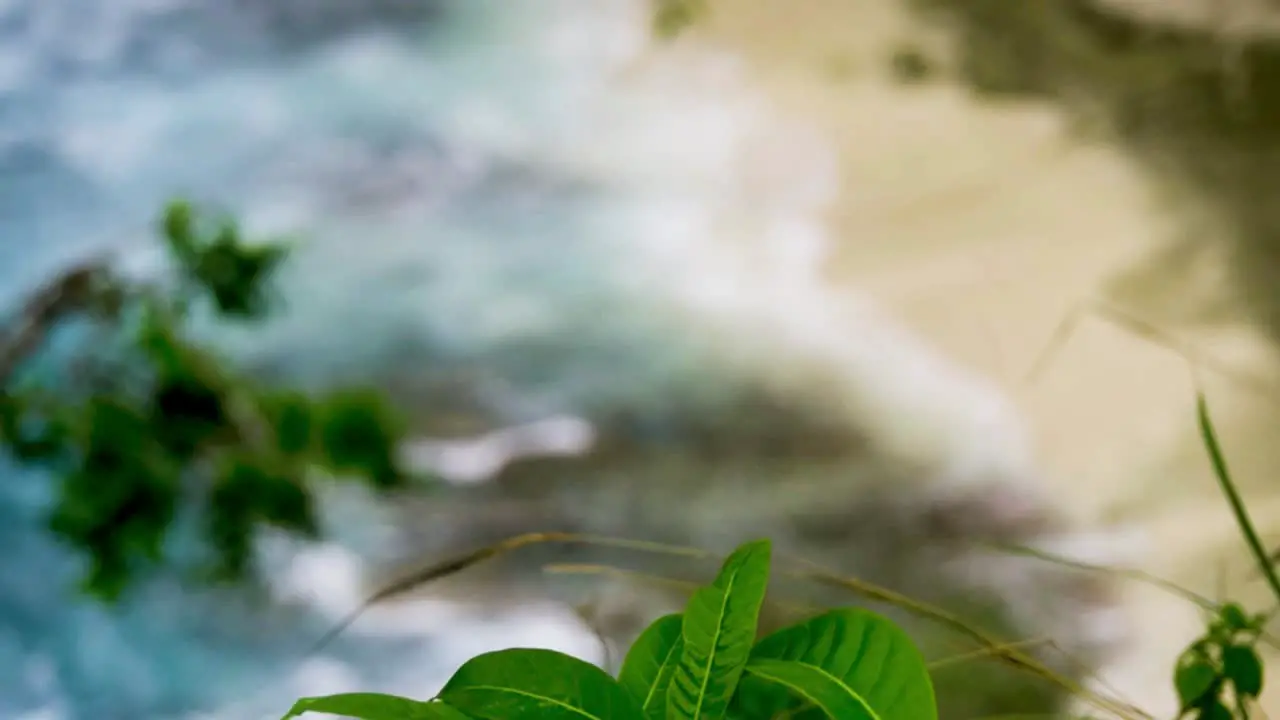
[1233,496]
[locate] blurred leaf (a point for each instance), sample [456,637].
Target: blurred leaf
[186,413]
[32,437]
[1234,617]
[292,418]
[1215,711]
[1194,678]
[120,500]
[178,229]
[229,524]
[359,432]
[1241,665]
[235,275]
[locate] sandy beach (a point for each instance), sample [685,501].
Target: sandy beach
[986,226]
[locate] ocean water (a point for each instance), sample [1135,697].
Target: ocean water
[478,186]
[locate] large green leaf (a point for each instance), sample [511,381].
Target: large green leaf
[817,687]
[865,652]
[374,706]
[719,629]
[1242,664]
[542,684]
[651,661]
[1194,676]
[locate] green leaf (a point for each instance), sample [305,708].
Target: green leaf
[268,490]
[1193,677]
[719,629]
[1242,665]
[359,431]
[234,275]
[1234,617]
[292,417]
[375,706]
[1215,711]
[178,229]
[34,435]
[187,412]
[542,684]
[819,688]
[862,650]
[651,661]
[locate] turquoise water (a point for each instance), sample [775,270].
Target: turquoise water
[474,198]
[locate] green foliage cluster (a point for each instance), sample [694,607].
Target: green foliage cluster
[134,436]
[703,664]
[1221,669]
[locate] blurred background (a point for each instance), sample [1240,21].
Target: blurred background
[1070,197]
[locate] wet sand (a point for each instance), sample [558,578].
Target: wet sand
[984,226]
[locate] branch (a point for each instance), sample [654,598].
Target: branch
[74,290]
